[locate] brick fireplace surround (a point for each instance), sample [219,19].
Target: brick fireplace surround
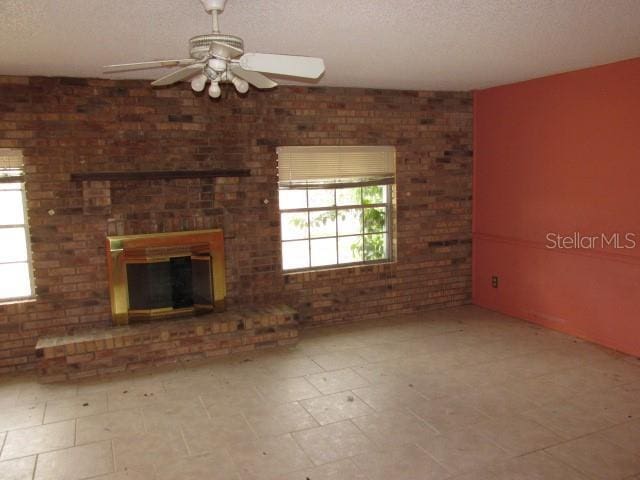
[69,125]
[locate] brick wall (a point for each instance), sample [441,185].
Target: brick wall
[80,125]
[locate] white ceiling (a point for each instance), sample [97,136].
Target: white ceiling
[400,44]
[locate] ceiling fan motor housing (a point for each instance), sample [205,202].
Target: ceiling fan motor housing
[211,5]
[199,46]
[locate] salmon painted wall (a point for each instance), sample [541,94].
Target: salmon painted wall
[561,155]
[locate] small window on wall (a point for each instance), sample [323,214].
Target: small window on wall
[16,280]
[335,206]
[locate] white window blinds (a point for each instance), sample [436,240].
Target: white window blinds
[330,167]
[10,162]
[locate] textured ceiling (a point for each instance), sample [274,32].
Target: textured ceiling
[403,44]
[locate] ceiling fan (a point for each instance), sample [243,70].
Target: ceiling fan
[220,58]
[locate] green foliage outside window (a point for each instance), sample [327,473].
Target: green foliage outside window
[374,220]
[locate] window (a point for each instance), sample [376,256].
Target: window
[15,258]
[335,205]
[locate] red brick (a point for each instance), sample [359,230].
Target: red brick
[81,129]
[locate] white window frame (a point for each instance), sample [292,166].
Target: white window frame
[10,174]
[387,205]
[308,168]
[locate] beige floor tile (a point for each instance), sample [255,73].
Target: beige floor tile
[383,352]
[130,474]
[541,391]
[462,357]
[615,404]
[172,414]
[541,363]
[292,367]
[534,466]
[517,385]
[333,442]
[568,421]
[269,458]
[191,380]
[390,396]
[275,420]
[622,371]
[336,407]
[499,401]
[382,372]
[181,395]
[247,375]
[146,451]
[337,381]
[338,360]
[329,342]
[132,383]
[43,438]
[632,388]
[433,344]
[485,375]
[517,435]
[287,390]
[35,392]
[78,406]
[22,416]
[463,450]
[597,458]
[232,400]
[126,399]
[625,435]
[583,379]
[447,414]
[213,466]
[10,391]
[394,428]
[407,462]
[75,463]
[481,474]
[426,363]
[109,425]
[216,433]
[18,469]
[340,470]
[438,385]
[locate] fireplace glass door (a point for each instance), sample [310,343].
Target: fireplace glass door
[170,286]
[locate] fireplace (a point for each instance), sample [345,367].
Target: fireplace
[165,275]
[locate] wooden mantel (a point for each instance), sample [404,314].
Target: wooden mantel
[160,174]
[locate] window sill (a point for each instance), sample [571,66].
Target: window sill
[333,268]
[14,301]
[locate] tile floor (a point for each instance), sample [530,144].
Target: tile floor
[461,393]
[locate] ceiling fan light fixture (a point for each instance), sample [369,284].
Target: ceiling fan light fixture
[242,86]
[214,90]
[198,83]
[215,57]
[217,65]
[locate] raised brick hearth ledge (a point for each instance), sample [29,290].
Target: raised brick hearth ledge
[116,349]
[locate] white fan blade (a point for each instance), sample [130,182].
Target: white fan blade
[254,78]
[178,75]
[295,66]
[222,50]
[144,65]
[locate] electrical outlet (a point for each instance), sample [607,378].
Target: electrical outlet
[494,281]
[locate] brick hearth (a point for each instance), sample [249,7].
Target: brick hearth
[110,350]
